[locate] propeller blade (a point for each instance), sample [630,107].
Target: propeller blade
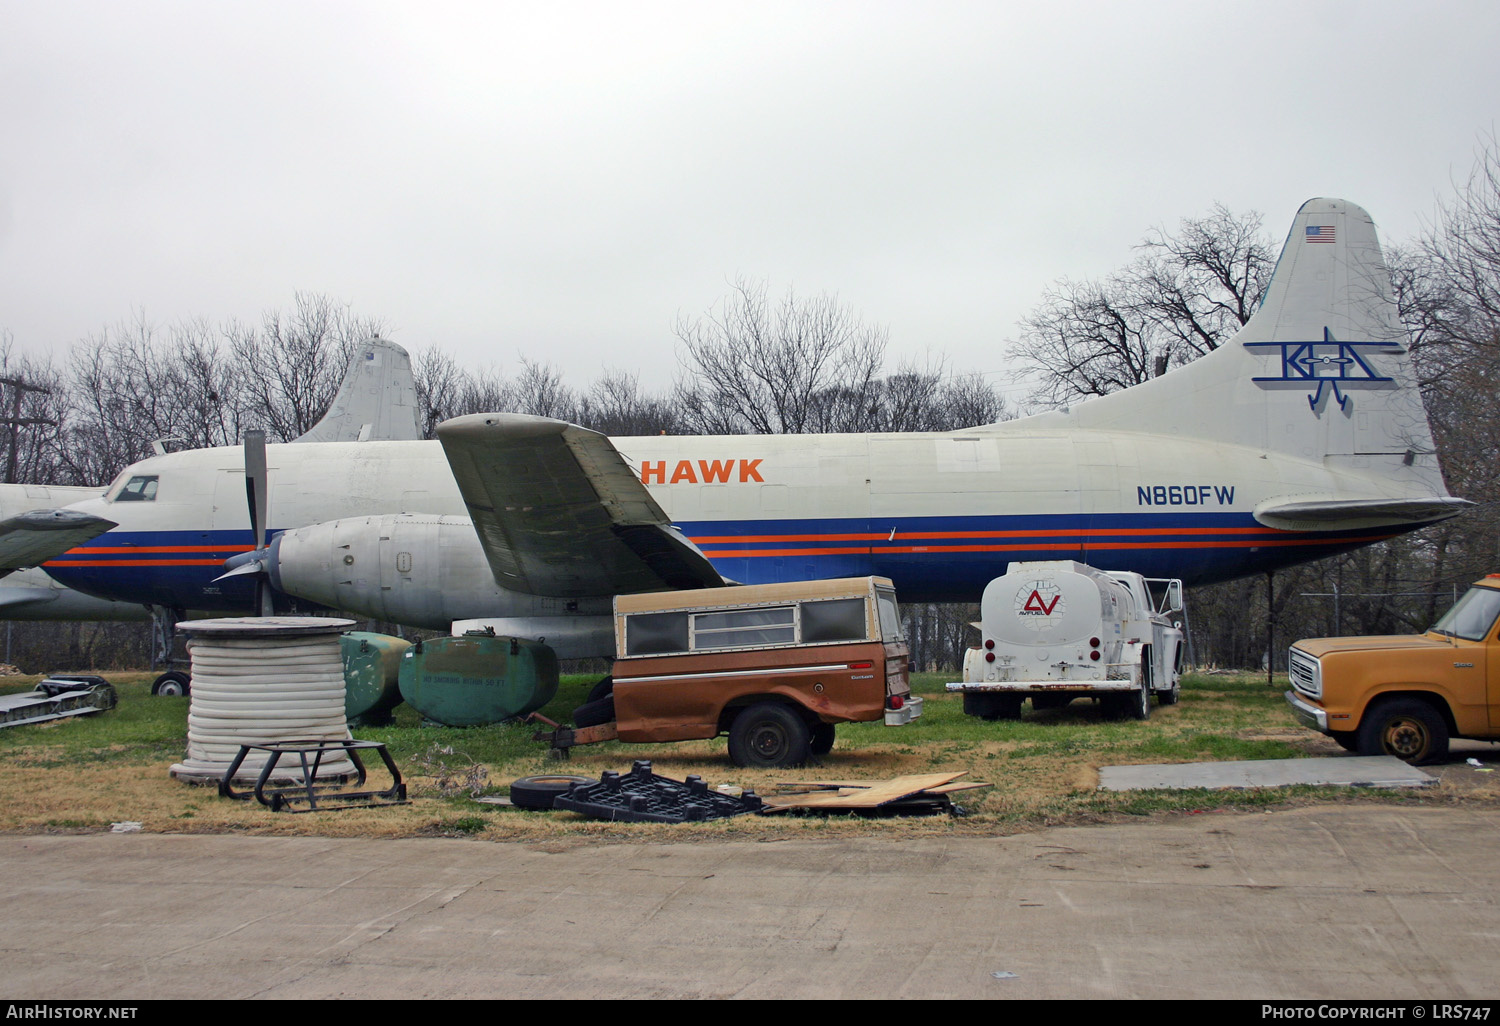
[255,484]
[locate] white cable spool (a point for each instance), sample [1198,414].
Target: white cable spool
[261,679]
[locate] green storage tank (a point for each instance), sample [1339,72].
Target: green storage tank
[372,665]
[477,678]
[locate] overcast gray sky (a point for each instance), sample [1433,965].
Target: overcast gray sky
[562,180]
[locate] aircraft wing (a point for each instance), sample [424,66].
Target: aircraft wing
[30,539]
[1346,514]
[560,512]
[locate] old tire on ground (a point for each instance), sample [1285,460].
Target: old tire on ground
[822,738]
[1407,728]
[767,735]
[540,792]
[992,707]
[592,714]
[171,684]
[603,689]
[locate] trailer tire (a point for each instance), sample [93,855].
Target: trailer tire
[603,689]
[592,714]
[1407,728]
[541,791]
[991,707]
[171,684]
[822,739]
[769,735]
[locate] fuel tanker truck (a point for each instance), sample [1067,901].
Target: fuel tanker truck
[1057,630]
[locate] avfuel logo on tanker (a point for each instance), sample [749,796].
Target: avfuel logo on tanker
[1037,601]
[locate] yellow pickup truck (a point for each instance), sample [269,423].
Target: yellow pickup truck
[1406,695]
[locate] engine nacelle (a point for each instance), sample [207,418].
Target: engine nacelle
[420,570]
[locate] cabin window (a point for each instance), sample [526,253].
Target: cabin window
[141,488]
[656,633]
[890,616]
[1473,616]
[837,620]
[739,628]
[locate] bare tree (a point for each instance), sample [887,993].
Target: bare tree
[1184,295]
[751,368]
[293,363]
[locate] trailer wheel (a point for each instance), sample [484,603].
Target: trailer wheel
[992,707]
[769,735]
[540,792]
[173,683]
[1407,728]
[822,738]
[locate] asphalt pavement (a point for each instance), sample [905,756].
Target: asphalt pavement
[1354,901]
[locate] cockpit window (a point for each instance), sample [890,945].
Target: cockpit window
[141,488]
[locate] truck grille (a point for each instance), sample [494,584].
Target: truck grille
[1306,674]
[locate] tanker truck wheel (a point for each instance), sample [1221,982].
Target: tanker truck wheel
[992,707]
[1140,702]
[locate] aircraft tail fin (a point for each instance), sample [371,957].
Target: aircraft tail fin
[377,400]
[1320,372]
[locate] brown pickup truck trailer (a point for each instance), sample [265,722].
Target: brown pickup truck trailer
[774,666]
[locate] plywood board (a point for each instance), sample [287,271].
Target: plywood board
[874,794]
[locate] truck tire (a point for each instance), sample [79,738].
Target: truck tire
[822,738]
[1348,740]
[1139,702]
[769,735]
[992,707]
[1407,728]
[1171,695]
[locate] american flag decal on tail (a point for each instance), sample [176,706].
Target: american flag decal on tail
[1320,233]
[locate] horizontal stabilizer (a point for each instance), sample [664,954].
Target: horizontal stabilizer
[30,539]
[559,511]
[1347,514]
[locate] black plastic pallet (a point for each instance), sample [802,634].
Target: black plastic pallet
[641,796]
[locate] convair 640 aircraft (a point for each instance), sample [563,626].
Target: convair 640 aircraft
[1303,436]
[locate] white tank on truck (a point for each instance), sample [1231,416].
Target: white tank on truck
[1058,630]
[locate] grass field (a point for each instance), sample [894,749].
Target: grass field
[87,773]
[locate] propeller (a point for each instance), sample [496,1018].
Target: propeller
[256,490]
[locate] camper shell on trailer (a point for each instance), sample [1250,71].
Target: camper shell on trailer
[774,666]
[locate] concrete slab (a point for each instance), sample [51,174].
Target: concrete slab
[1346,771]
[1359,901]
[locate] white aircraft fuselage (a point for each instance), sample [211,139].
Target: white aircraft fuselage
[1302,437]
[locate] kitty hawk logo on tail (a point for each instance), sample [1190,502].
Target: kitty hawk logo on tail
[1329,363]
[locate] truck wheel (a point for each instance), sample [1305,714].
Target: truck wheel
[992,707]
[769,735]
[1171,695]
[1407,728]
[1140,702]
[822,738]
